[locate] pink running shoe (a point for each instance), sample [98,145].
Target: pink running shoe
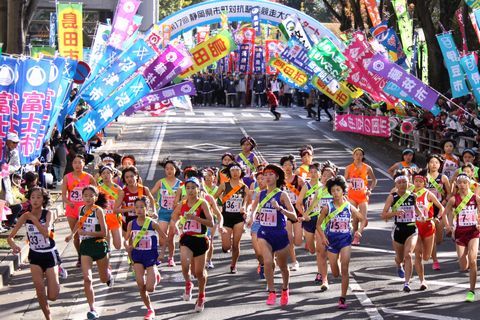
[187,296]
[200,305]
[272,298]
[436,265]
[150,315]
[356,241]
[171,262]
[342,304]
[284,297]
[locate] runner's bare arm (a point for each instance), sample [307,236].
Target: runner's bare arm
[386,213]
[156,187]
[371,174]
[321,217]
[16,249]
[432,198]
[299,204]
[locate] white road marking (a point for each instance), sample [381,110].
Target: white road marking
[156,154]
[364,300]
[311,126]
[416,314]
[170,113]
[266,115]
[247,115]
[209,113]
[304,117]
[286,116]
[228,114]
[189,113]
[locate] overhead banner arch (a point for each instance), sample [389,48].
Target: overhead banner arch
[272,13]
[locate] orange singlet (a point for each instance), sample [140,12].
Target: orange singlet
[359,182]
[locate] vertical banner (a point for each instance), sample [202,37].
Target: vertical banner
[470,68]
[390,41]
[256,21]
[243,63]
[8,69]
[70,30]
[461,26]
[451,58]
[291,27]
[474,4]
[405,26]
[413,64]
[423,55]
[98,47]
[126,10]
[53,30]
[271,51]
[373,11]
[475,18]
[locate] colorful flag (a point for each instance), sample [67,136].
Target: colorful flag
[52,39]
[123,19]
[258,60]
[99,45]
[291,27]
[342,96]
[405,26]
[423,55]
[209,52]
[475,18]
[329,58]
[305,88]
[461,27]
[8,70]
[256,21]
[272,49]
[296,75]
[474,4]
[372,10]
[451,58]
[393,46]
[112,107]
[394,90]
[367,125]
[423,94]
[70,30]
[243,63]
[470,68]
[36,52]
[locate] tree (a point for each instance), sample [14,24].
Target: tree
[168,7]
[15,17]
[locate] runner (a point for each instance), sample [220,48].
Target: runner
[408,162]
[235,197]
[227,158]
[312,198]
[357,174]
[293,185]
[248,159]
[439,185]
[43,255]
[306,154]
[272,208]
[254,224]
[141,244]
[335,232]
[166,189]
[452,162]
[463,212]
[92,230]
[72,186]
[468,156]
[111,192]
[194,217]
[132,190]
[469,170]
[402,206]
[426,201]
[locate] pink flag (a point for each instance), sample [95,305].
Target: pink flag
[367,125]
[123,19]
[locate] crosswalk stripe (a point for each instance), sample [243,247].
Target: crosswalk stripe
[286,116]
[228,114]
[171,113]
[189,113]
[304,117]
[247,115]
[209,113]
[265,115]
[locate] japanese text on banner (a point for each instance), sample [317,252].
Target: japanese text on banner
[70,30]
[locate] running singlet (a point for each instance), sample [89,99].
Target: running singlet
[340,223]
[304,171]
[269,217]
[235,202]
[467,217]
[129,202]
[111,193]
[149,240]
[91,224]
[36,240]
[425,206]
[192,227]
[308,200]
[75,187]
[408,208]
[450,165]
[405,165]
[165,197]
[248,165]
[433,189]
[357,178]
[293,189]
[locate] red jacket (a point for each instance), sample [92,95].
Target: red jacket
[272,99]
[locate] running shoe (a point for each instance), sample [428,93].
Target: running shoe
[324,287]
[436,265]
[295,266]
[356,240]
[233,269]
[187,296]
[470,296]
[258,268]
[423,286]
[158,277]
[92,315]
[210,265]
[171,262]
[406,287]
[150,315]
[284,297]
[318,278]
[62,272]
[261,273]
[272,298]
[401,272]
[342,303]
[200,305]
[110,280]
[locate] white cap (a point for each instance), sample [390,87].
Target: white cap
[12,137]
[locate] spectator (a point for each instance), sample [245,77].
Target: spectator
[12,162]
[229,86]
[259,88]
[241,91]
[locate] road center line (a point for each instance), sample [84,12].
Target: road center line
[158,148]
[364,300]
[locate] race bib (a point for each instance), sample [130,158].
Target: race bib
[88,226]
[145,242]
[268,217]
[357,184]
[110,206]
[467,218]
[167,200]
[449,168]
[76,194]
[36,240]
[340,225]
[408,214]
[292,196]
[192,226]
[233,205]
[325,201]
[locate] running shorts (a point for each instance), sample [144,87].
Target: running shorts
[95,248]
[44,260]
[463,235]
[338,241]
[310,226]
[147,258]
[402,231]
[231,219]
[164,215]
[113,221]
[72,212]
[358,196]
[198,245]
[426,229]
[276,238]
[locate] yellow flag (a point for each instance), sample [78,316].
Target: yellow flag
[290,71]
[341,97]
[70,30]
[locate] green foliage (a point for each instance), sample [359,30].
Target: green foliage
[168,7]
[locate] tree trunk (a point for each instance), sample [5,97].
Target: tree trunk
[438,75]
[3,22]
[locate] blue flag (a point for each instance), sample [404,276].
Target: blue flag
[470,68]
[8,69]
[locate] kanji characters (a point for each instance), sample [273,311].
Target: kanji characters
[217,47]
[69,20]
[200,56]
[33,102]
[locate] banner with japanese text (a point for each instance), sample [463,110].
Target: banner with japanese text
[394,90]
[329,58]
[296,75]
[99,46]
[372,10]
[291,27]
[258,60]
[423,55]
[470,68]
[341,96]
[123,19]
[70,30]
[8,70]
[243,63]
[272,49]
[452,64]
[116,104]
[393,46]
[209,52]
[405,26]
[378,126]
[423,94]
[296,54]
[475,18]
[52,38]
[256,21]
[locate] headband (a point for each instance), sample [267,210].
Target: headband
[108,159]
[358,149]
[270,170]
[401,178]
[463,177]
[235,167]
[419,177]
